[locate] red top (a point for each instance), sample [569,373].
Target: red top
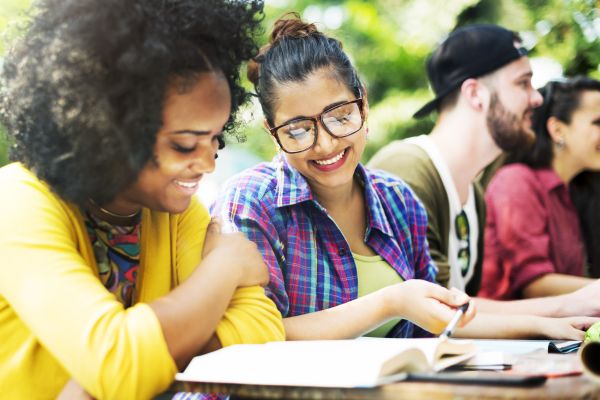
[532,229]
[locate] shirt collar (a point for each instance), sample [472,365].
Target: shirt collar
[292,188]
[549,179]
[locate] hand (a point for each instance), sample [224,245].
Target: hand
[234,251]
[584,301]
[569,328]
[73,391]
[427,304]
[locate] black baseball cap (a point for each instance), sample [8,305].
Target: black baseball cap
[468,52]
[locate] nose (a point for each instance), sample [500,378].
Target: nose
[325,141]
[205,161]
[536,99]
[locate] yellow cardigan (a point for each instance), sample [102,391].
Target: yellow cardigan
[58,321]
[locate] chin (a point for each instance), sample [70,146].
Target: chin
[175,208]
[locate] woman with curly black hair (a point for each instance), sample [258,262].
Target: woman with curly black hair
[109,273]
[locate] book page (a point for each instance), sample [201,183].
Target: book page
[318,363]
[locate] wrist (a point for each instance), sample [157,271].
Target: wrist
[392,301]
[564,305]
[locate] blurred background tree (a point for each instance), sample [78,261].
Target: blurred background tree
[389,41]
[12,14]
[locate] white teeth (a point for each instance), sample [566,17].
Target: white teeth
[189,185]
[331,160]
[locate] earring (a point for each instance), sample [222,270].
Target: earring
[560,144]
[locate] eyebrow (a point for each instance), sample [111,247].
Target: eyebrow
[326,108]
[527,74]
[192,132]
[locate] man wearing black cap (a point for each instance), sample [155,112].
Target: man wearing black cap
[482,80]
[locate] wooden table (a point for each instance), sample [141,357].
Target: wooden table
[566,387]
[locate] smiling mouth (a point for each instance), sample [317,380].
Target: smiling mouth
[188,184]
[331,160]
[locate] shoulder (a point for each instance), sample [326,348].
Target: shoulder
[392,190]
[516,170]
[28,205]
[258,181]
[383,181]
[22,189]
[398,152]
[249,193]
[513,177]
[408,161]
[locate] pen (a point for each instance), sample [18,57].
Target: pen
[454,321]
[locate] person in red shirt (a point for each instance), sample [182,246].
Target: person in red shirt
[534,245]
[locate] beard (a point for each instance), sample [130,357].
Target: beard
[508,130]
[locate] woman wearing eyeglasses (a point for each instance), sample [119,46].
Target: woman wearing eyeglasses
[534,242]
[345,245]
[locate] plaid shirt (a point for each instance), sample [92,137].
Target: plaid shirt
[310,262]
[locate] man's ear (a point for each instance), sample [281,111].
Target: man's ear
[474,93]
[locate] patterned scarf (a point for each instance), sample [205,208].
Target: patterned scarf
[117,253]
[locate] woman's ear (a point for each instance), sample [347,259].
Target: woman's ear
[556,129]
[268,129]
[365,96]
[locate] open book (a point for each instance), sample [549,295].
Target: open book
[365,362]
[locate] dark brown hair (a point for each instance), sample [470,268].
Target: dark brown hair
[561,100]
[295,50]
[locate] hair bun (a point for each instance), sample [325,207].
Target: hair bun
[292,27]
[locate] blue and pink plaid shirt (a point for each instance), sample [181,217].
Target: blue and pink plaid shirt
[310,262]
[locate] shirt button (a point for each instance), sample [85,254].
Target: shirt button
[342,252]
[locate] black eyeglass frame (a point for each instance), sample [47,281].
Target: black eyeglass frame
[315,120]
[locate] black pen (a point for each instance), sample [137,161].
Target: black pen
[454,321]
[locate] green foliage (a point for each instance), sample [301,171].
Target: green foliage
[389,40]
[11,14]
[3,148]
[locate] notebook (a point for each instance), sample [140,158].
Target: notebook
[358,363]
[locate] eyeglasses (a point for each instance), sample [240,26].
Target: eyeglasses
[461,227]
[339,121]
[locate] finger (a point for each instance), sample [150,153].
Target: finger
[576,334]
[469,314]
[452,297]
[459,298]
[584,323]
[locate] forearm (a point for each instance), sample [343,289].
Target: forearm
[348,320]
[190,313]
[494,326]
[554,284]
[543,306]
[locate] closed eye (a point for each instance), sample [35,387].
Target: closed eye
[183,149]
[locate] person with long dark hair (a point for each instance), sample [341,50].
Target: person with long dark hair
[345,245]
[542,207]
[111,277]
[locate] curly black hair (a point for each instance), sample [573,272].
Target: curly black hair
[83,90]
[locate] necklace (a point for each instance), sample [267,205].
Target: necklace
[111,217]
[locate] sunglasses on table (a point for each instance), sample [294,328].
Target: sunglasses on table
[338,120]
